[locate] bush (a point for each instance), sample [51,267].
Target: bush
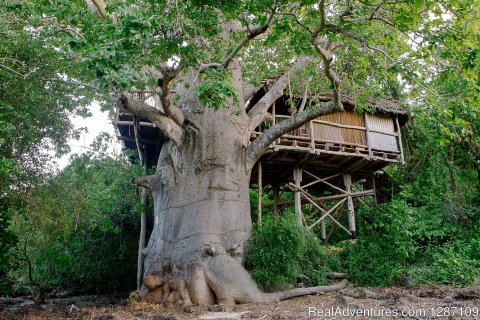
[85,222]
[280,251]
[385,248]
[455,264]
[401,240]
[7,242]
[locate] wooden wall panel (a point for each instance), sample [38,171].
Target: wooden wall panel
[341,135]
[324,132]
[379,141]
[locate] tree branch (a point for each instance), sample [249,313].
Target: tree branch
[169,74]
[297,19]
[146,181]
[259,111]
[100,8]
[258,146]
[258,30]
[168,126]
[359,39]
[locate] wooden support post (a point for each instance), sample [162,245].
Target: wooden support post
[399,137]
[297,178]
[260,193]
[347,178]
[367,136]
[374,191]
[276,199]
[141,242]
[323,235]
[143,217]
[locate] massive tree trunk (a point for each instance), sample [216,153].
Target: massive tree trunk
[202,213]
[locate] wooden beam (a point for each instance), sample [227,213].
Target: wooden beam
[276,199]
[329,214]
[323,233]
[326,198]
[312,136]
[143,218]
[326,213]
[137,139]
[319,180]
[387,133]
[325,182]
[131,123]
[352,194]
[334,124]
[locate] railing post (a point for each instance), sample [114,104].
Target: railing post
[367,135]
[399,137]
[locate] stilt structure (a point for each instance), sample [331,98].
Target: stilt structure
[328,164]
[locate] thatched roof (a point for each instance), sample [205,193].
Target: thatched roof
[384,105]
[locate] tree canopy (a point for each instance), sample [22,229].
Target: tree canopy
[403,49]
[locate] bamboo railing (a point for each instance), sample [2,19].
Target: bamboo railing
[322,134]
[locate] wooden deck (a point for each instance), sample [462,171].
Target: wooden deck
[339,139]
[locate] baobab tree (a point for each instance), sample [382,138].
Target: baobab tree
[202,59]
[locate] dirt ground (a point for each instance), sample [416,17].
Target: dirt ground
[350,303]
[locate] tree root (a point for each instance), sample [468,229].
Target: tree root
[222,279]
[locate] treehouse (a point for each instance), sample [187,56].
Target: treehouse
[329,164]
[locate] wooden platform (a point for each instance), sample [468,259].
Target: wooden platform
[141,134]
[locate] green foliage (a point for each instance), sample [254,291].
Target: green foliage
[216,89]
[385,249]
[38,93]
[7,243]
[280,251]
[86,221]
[454,264]
[403,240]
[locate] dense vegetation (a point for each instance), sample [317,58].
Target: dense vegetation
[78,229]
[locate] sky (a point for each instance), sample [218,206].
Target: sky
[97,123]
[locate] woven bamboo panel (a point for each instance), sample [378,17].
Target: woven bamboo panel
[324,132]
[379,141]
[341,135]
